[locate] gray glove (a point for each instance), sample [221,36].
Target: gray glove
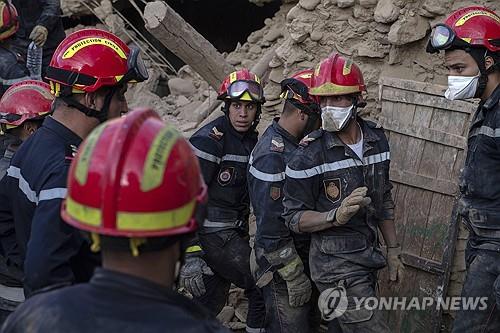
[351,205]
[39,35]
[297,283]
[191,276]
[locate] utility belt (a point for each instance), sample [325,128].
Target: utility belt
[224,218]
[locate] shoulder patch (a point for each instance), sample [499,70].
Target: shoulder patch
[277,144]
[216,134]
[310,138]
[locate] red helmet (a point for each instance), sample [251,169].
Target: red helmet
[297,87]
[9,23]
[89,59]
[134,177]
[336,75]
[470,26]
[25,100]
[242,85]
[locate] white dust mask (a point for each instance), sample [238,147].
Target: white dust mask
[461,87]
[335,118]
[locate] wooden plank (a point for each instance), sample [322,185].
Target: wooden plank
[459,164]
[410,97]
[424,133]
[401,212]
[423,116]
[423,182]
[420,202]
[437,226]
[411,85]
[445,166]
[395,145]
[426,265]
[430,158]
[446,262]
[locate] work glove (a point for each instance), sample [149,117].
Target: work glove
[394,263]
[351,205]
[191,276]
[298,284]
[39,35]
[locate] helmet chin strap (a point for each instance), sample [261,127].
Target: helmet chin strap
[479,55]
[101,115]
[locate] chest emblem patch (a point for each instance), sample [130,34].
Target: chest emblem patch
[275,192]
[225,176]
[333,189]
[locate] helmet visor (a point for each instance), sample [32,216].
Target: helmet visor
[238,88]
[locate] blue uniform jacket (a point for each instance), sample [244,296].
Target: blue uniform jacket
[32,233]
[111,302]
[480,181]
[223,154]
[322,172]
[266,177]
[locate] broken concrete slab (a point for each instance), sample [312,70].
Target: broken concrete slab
[408,29]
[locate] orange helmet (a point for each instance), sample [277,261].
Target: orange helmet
[467,27]
[134,177]
[89,59]
[336,75]
[9,23]
[242,85]
[25,100]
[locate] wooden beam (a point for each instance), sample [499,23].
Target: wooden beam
[412,97]
[423,182]
[424,133]
[427,265]
[432,89]
[184,41]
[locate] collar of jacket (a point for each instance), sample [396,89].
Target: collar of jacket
[62,131]
[283,132]
[493,100]
[333,140]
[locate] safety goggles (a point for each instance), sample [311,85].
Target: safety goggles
[8,118]
[137,71]
[294,89]
[238,88]
[442,38]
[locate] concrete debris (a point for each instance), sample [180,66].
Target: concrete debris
[408,29]
[309,4]
[178,86]
[273,34]
[368,3]
[386,11]
[345,3]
